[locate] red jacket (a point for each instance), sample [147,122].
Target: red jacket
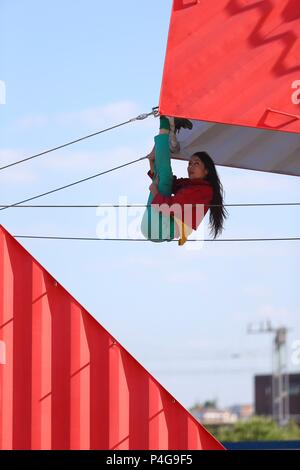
[187,192]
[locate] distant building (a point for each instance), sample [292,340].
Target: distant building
[263,395]
[243,412]
[210,413]
[213,415]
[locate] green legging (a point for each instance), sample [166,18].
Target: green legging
[156,226]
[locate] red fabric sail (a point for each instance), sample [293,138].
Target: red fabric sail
[66,383]
[234,62]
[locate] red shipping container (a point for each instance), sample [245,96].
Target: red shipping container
[66,383]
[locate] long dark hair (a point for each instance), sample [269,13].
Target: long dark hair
[218,213]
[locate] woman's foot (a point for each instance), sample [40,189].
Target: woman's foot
[174,124]
[167,126]
[182,123]
[171,125]
[173,142]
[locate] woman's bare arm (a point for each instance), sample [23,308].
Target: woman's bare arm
[151,158]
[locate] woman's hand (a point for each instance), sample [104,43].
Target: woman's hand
[151,158]
[151,155]
[153,188]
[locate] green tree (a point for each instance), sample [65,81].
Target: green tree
[257,429]
[210,404]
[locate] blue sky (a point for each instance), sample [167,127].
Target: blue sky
[72,68]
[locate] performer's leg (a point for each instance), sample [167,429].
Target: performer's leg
[156,226]
[162,164]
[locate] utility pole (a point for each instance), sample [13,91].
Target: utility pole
[280,377]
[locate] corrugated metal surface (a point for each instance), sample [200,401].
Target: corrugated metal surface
[233,61]
[243,147]
[66,383]
[237,62]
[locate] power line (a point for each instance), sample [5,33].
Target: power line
[138,118]
[46,237]
[91,206]
[205,371]
[71,184]
[22,202]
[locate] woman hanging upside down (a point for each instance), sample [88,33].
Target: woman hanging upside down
[176,206]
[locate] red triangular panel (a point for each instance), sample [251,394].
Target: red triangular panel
[234,62]
[66,383]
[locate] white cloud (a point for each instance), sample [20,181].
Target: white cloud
[23,177]
[33,121]
[134,261]
[72,163]
[188,277]
[8,156]
[249,250]
[89,160]
[247,180]
[36,226]
[259,316]
[263,312]
[258,290]
[15,174]
[97,116]
[270,312]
